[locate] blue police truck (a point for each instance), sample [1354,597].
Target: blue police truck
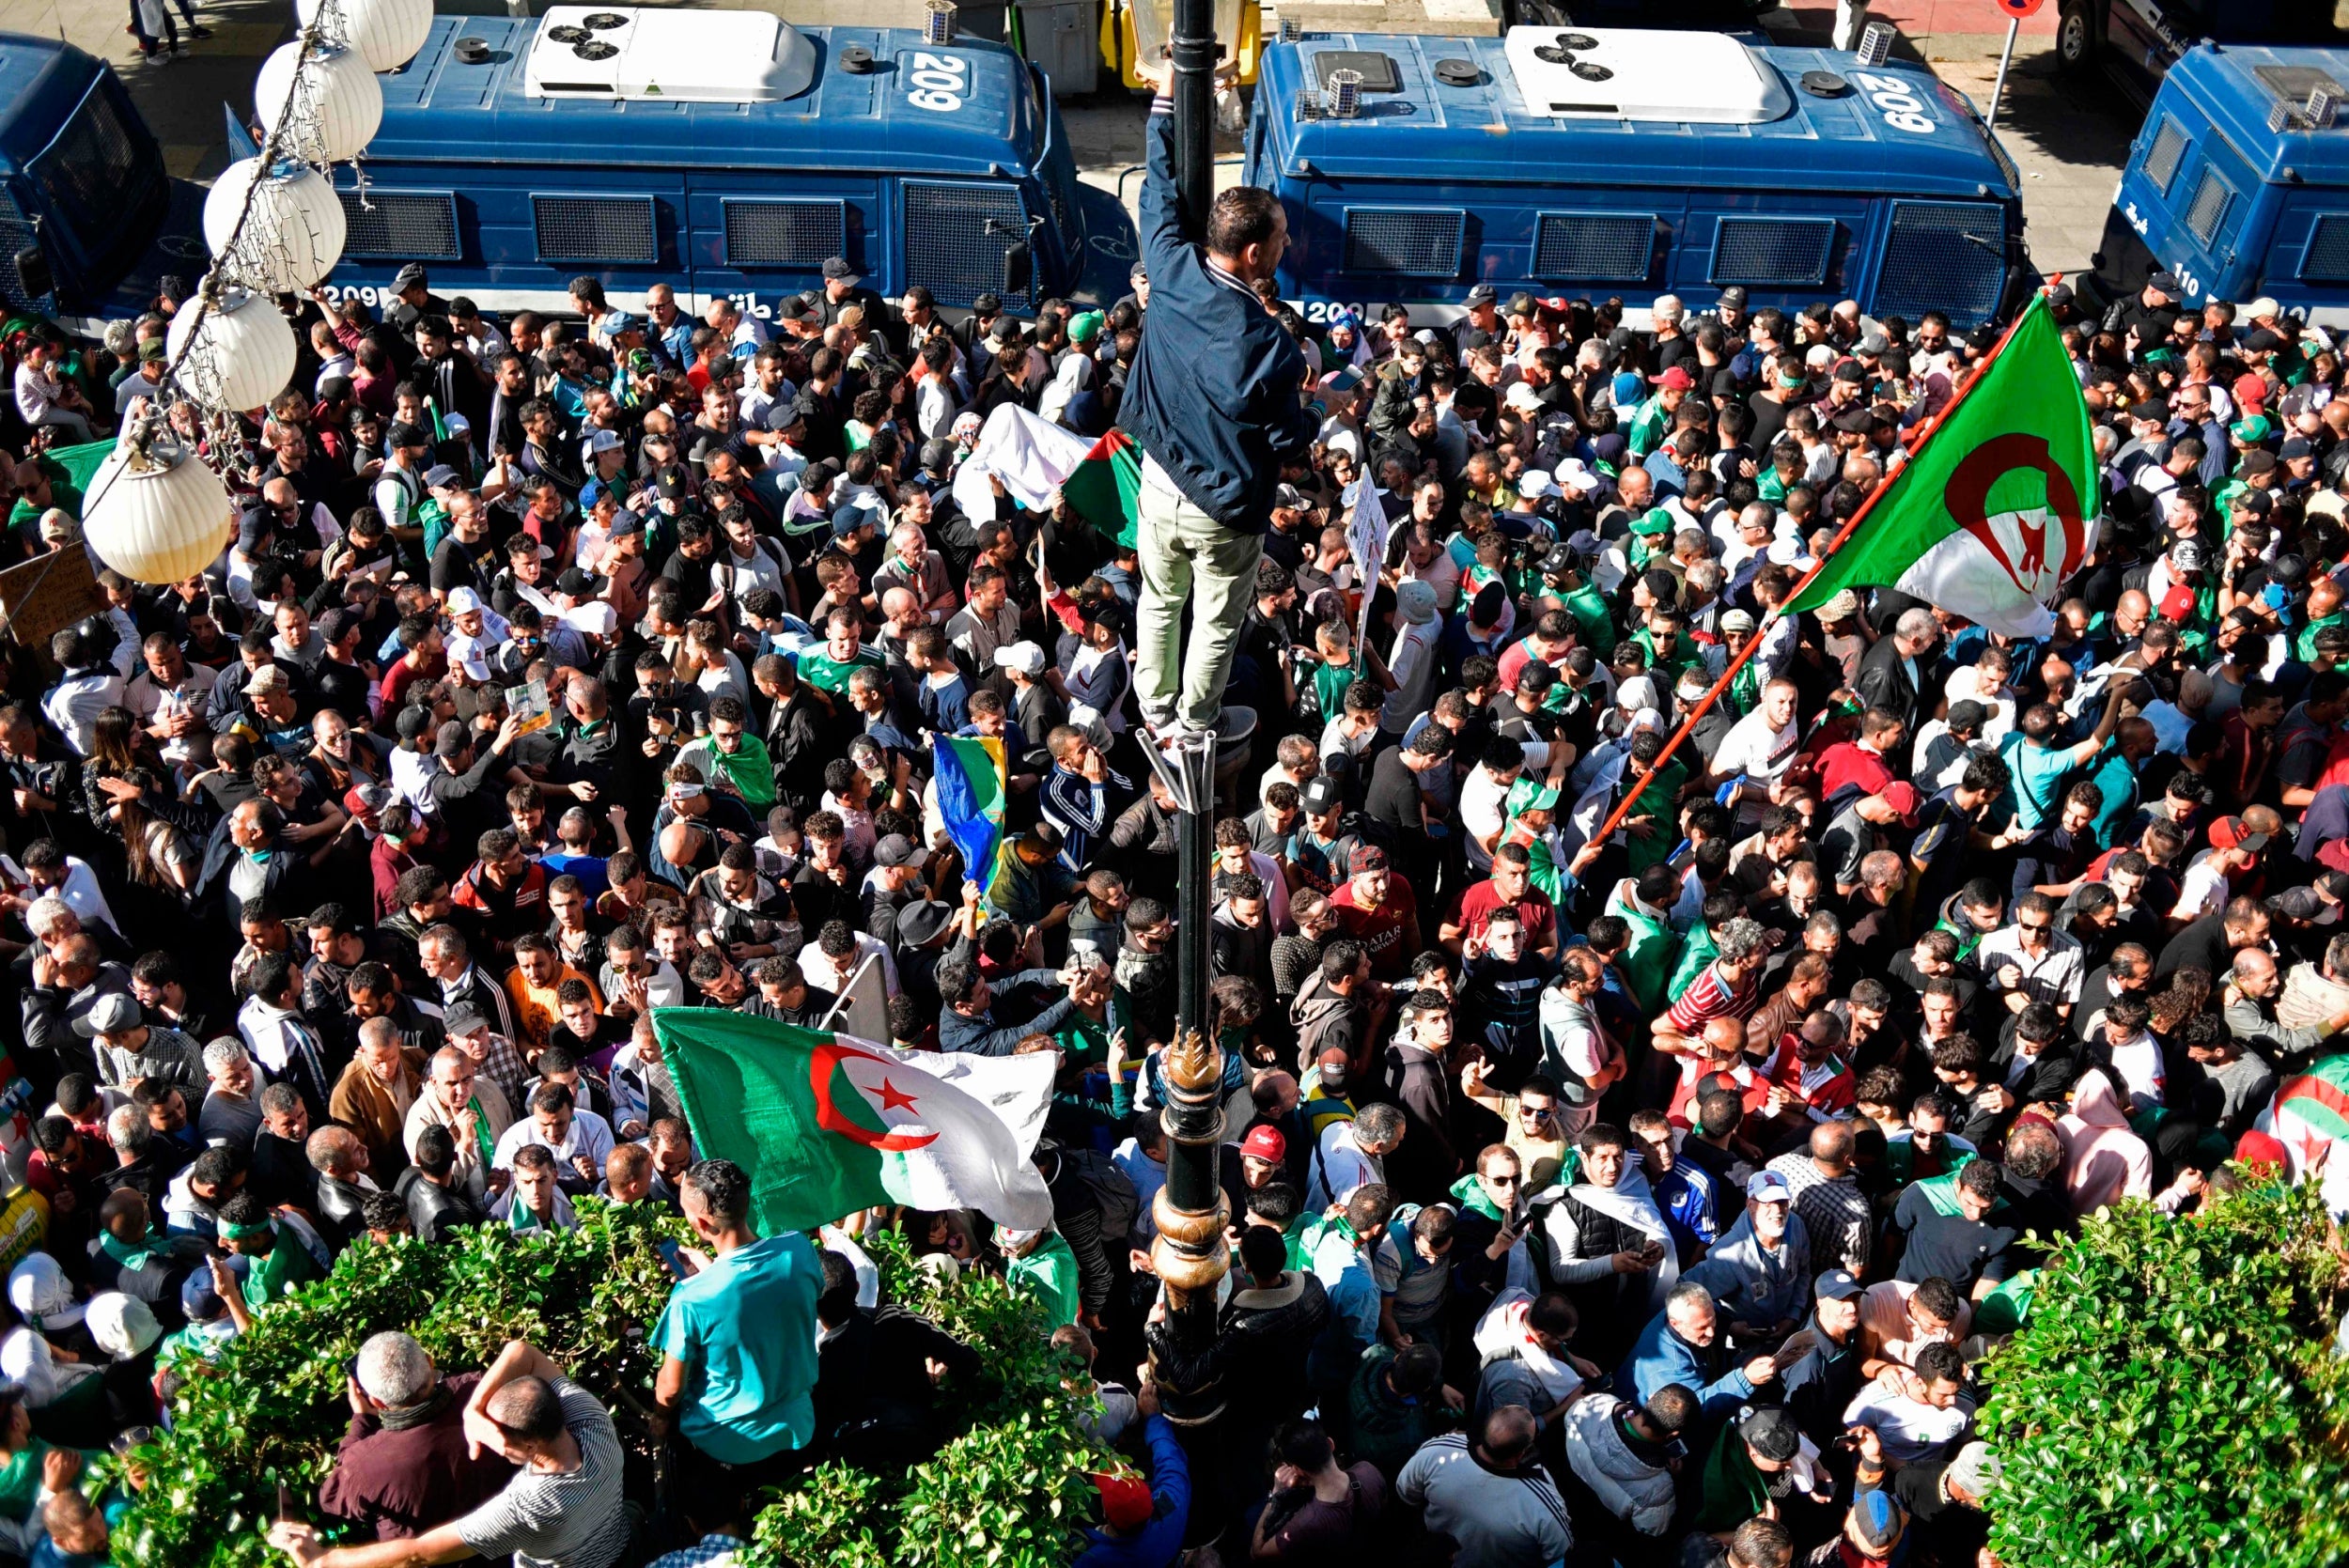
[2235,186]
[1630,162]
[727,153]
[89,219]
[2136,42]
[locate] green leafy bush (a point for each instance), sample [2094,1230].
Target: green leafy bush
[2173,1398]
[273,1412]
[1012,1490]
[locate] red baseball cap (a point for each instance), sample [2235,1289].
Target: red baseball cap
[2232,833]
[1675,379]
[1265,1143]
[1903,797]
[1124,1501]
[2249,390]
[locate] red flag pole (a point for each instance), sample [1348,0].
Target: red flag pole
[1704,704]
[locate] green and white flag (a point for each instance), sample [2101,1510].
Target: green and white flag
[1994,513]
[825,1124]
[2308,1115]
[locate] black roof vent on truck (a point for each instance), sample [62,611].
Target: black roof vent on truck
[1380,73]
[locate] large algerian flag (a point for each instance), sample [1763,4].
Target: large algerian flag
[825,1124]
[1106,488]
[1993,514]
[967,779]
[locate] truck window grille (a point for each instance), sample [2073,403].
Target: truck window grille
[412,226]
[1594,247]
[1404,241]
[1943,255]
[2161,159]
[1776,252]
[796,234]
[948,243]
[597,228]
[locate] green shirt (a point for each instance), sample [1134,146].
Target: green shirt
[747,1325]
[1648,963]
[274,1274]
[1329,684]
[1589,608]
[20,1478]
[1662,801]
[826,674]
[2304,645]
[1649,423]
[1050,1275]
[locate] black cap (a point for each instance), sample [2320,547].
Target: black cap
[575,582]
[1769,1430]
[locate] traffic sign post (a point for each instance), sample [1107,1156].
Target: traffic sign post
[2015,11]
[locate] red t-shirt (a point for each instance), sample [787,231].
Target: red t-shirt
[1533,908]
[1846,763]
[1382,931]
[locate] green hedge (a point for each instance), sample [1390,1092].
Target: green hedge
[1010,1489]
[2173,1398]
[273,1411]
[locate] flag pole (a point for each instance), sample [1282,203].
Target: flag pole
[1753,643]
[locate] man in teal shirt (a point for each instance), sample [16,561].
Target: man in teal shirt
[2040,758]
[2116,776]
[737,1339]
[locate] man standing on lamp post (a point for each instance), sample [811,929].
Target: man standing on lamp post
[1216,403]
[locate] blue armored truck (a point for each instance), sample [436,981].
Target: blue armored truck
[2238,183]
[727,153]
[1630,162]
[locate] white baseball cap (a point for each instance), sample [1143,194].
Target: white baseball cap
[463,602]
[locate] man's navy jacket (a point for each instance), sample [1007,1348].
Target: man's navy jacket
[1216,391]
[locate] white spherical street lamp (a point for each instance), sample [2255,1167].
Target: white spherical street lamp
[294,233]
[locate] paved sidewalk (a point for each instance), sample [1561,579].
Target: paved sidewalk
[2068,140]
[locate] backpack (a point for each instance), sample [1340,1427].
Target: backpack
[1111,1190]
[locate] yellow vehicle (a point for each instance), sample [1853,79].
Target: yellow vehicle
[1138,29]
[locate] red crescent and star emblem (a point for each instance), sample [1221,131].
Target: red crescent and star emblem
[855,1089]
[1966,496]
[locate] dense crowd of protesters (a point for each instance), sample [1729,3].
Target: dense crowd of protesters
[1644,1197]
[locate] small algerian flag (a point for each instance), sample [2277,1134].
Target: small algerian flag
[825,1124]
[2310,1112]
[1990,518]
[968,786]
[1106,488]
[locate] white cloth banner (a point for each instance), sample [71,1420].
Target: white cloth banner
[1031,456]
[1366,533]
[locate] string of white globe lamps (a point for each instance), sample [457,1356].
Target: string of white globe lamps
[158,511]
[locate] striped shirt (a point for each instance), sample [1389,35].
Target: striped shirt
[1708,998]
